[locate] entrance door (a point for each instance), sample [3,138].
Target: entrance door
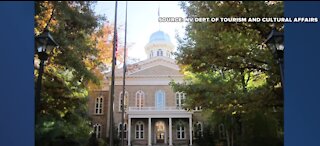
[160,100]
[160,132]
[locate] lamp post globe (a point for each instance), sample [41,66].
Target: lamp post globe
[45,44]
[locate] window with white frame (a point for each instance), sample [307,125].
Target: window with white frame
[124,130]
[139,99]
[222,132]
[98,105]
[180,99]
[198,129]
[139,130]
[160,52]
[97,130]
[180,131]
[126,96]
[160,100]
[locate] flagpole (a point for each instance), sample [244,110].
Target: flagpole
[159,14]
[112,76]
[124,77]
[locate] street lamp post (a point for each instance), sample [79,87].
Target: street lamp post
[275,43]
[44,47]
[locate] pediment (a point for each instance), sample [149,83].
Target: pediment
[158,66]
[158,70]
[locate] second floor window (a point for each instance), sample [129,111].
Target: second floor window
[126,96]
[98,105]
[180,98]
[139,99]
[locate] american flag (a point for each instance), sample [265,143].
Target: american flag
[116,44]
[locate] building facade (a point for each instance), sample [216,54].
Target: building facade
[154,113]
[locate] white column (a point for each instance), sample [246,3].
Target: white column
[190,129]
[170,132]
[129,130]
[149,132]
[165,135]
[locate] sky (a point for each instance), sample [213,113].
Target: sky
[142,22]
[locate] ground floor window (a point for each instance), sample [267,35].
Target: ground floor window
[124,130]
[198,131]
[97,130]
[180,131]
[139,130]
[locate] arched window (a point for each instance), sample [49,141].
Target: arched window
[140,99]
[180,130]
[97,130]
[198,129]
[98,105]
[160,99]
[124,130]
[160,52]
[139,130]
[180,99]
[168,54]
[222,132]
[151,54]
[126,96]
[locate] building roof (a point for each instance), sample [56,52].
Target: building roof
[159,36]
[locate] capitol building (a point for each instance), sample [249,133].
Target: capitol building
[154,113]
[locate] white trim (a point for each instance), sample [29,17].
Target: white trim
[170,131]
[149,132]
[167,112]
[142,65]
[129,130]
[148,67]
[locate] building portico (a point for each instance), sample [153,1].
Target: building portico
[160,125]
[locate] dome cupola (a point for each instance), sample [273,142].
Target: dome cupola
[159,45]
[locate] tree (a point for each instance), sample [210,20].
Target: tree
[62,115]
[229,71]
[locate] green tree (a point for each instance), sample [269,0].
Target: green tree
[62,115]
[229,71]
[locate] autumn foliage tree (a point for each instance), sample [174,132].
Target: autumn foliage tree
[61,118]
